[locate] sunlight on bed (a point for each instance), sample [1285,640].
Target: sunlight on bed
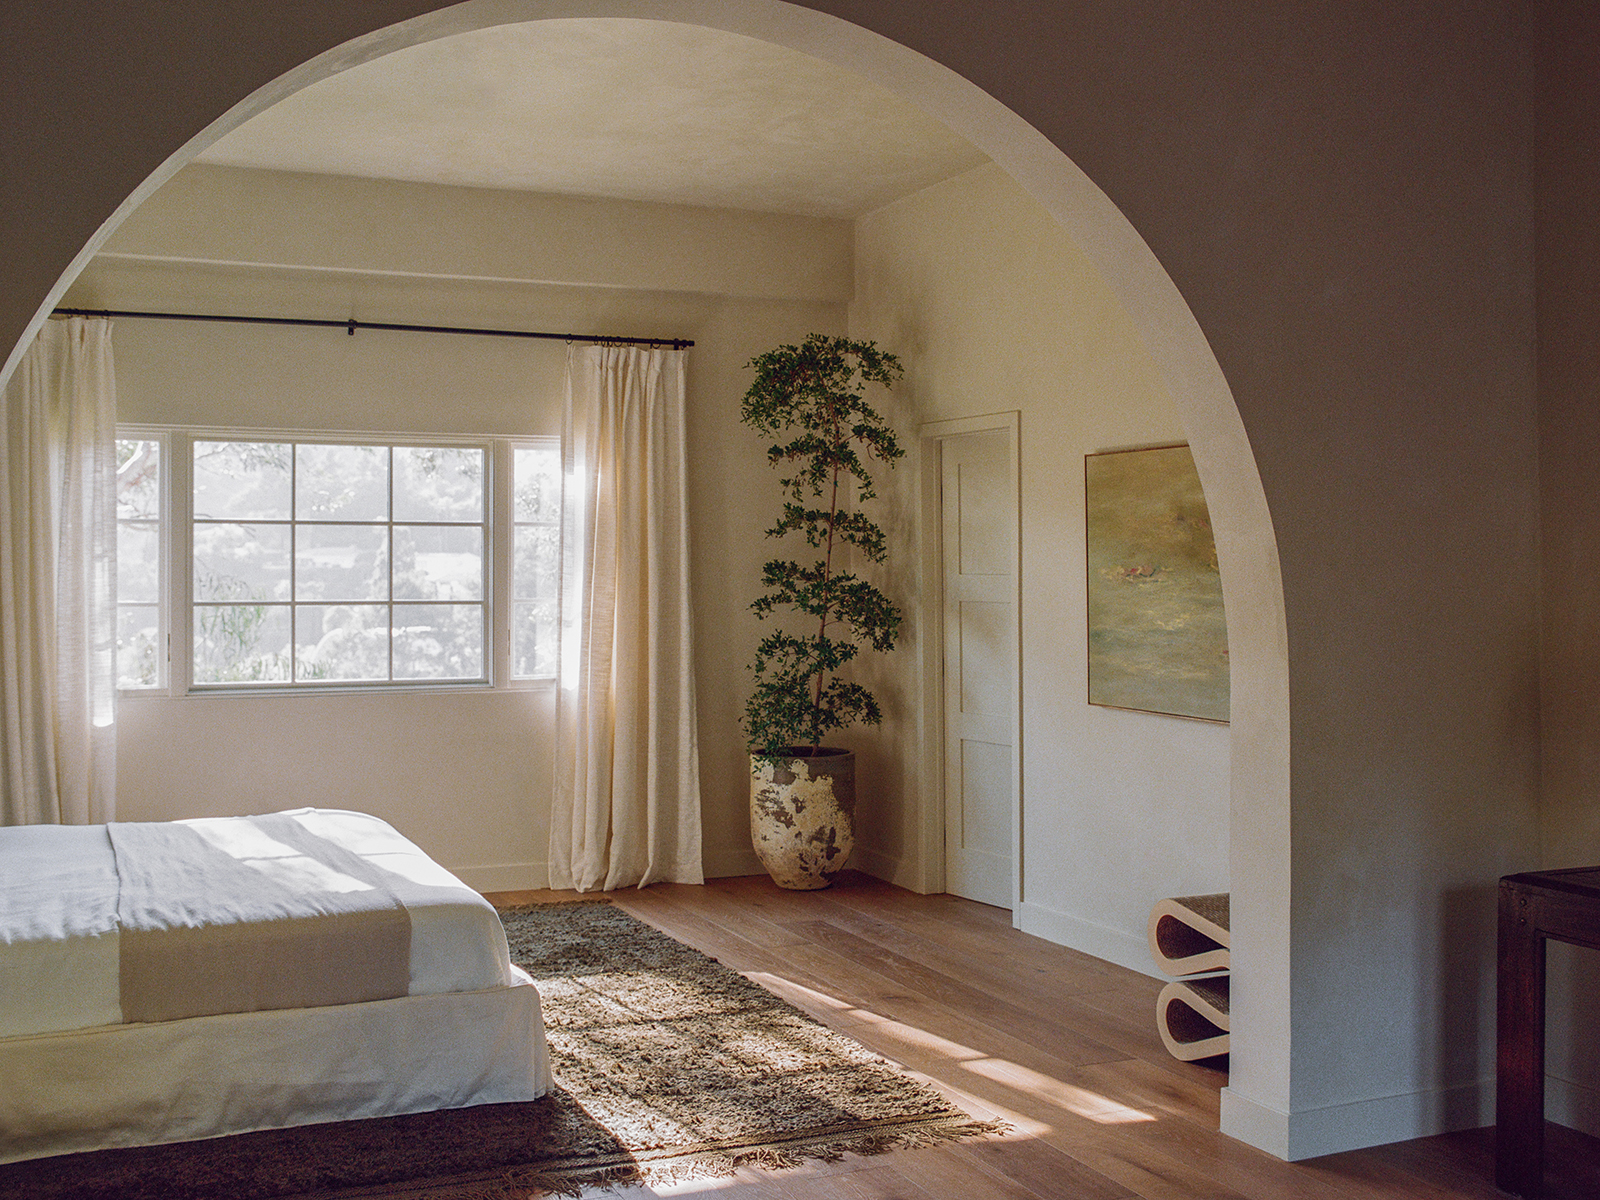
[379,844]
[279,862]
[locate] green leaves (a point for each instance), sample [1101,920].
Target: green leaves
[810,398]
[786,710]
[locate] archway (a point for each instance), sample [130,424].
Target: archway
[1247,548]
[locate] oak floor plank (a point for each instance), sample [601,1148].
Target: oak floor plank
[1060,1045]
[946,1174]
[988,939]
[1149,1172]
[963,1030]
[1125,1019]
[990,1008]
[983,961]
[1045,1168]
[1111,1005]
[753,915]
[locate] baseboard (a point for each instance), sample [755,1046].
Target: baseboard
[1255,1124]
[505,877]
[1311,1133]
[1575,1105]
[1113,945]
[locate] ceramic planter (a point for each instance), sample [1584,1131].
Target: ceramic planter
[803,814]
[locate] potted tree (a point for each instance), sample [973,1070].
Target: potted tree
[802,794]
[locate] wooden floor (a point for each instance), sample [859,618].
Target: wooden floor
[1060,1045]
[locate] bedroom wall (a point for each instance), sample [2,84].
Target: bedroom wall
[1568,150]
[465,774]
[992,307]
[1343,195]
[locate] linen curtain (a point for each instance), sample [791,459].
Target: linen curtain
[58,539]
[627,788]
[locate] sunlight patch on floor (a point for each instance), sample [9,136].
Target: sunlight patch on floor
[908,1042]
[798,993]
[1077,1100]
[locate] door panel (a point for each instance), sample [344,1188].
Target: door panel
[978,519]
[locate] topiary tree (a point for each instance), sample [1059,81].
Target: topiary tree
[810,397]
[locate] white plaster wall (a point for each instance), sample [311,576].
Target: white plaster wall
[465,774]
[992,308]
[1343,196]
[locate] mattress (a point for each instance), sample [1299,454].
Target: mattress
[106,924]
[116,943]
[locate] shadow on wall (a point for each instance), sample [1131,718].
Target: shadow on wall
[1463,995]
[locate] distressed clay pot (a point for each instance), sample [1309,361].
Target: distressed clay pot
[803,814]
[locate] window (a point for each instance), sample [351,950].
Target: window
[536,574]
[317,563]
[141,559]
[290,562]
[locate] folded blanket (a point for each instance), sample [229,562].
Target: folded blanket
[244,914]
[149,922]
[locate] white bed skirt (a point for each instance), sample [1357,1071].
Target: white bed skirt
[172,1081]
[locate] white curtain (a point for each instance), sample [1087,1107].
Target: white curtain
[627,790]
[58,540]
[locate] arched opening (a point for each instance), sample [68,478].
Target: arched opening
[1259,735]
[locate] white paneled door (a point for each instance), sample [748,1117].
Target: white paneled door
[978,520]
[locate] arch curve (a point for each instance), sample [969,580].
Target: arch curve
[1247,548]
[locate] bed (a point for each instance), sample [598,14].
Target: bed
[167,981]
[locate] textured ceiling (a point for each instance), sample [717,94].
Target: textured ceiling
[629,109]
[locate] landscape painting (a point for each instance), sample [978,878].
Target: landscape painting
[1158,636]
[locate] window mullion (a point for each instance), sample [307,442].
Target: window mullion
[294,562]
[180,495]
[242,482]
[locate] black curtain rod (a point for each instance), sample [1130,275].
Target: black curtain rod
[351,325]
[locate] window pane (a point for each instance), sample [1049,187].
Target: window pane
[536,573]
[341,483]
[242,480]
[138,479]
[300,550]
[538,484]
[438,484]
[341,562]
[241,643]
[534,639]
[138,562]
[438,641]
[341,642]
[138,646]
[241,562]
[438,562]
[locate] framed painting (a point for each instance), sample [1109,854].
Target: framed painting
[1158,635]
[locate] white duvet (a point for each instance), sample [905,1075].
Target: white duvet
[66,901]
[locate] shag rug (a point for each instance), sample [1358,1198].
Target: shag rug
[668,1066]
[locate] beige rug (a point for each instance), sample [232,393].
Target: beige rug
[693,1069]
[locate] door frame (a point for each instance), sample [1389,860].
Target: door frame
[930,555]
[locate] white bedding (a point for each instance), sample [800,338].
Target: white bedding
[75,1076]
[172,1081]
[62,893]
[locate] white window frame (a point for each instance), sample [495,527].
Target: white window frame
[177,560]
[162,438]
[552,444]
